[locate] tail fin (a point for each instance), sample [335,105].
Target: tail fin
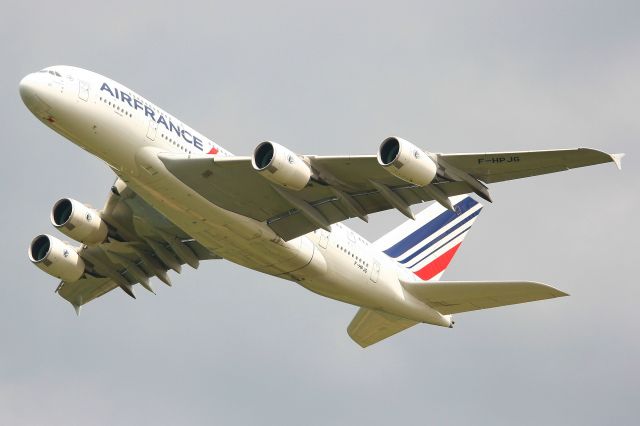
[427,244]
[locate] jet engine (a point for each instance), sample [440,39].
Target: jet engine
[406,161]
[56,258]
[79,222]
[279,165]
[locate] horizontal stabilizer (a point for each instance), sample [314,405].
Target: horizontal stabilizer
[452,297]
[369,326]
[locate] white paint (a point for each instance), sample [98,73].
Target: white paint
[338,266]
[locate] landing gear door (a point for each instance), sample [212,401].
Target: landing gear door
[375,271]
[153,129]
[83,90]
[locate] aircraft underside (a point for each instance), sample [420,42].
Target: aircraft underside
[180,198]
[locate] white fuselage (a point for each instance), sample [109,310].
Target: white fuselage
[126,131]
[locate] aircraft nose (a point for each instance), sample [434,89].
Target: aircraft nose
[29,88]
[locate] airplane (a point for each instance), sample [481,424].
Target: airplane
[180,198]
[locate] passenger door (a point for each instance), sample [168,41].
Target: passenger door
[375,271]
[324,238]
[153,129]
[83,90]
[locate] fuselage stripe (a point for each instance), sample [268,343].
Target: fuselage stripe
[429,228]
[432,252]
[438,265]
[440,237]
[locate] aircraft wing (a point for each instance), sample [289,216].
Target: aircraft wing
[343,187]
[142,244]
[491,167]
[452,297]
[370,326]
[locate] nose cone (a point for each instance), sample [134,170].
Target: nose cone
[30,87]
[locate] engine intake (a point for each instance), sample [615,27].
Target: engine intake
[406,161]
[56,258]
[79,222]
[281,166]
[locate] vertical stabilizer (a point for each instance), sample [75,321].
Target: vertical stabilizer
[427,244]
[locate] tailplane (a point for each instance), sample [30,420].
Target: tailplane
[454,297]
[425,247]
[450,297]
[427,244]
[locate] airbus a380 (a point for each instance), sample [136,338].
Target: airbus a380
[180,198]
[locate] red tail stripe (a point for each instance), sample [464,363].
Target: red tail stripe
[437,265]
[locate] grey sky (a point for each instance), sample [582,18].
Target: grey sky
[227,345]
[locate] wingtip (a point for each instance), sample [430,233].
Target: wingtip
[617,159]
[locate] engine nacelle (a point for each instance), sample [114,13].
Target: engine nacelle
[281,166]
[406,161]
[56,258]
[79,222]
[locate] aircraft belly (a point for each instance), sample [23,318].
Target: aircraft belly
[342,278]
[252,244]
[234,237]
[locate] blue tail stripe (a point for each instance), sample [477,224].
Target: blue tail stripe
[440,237]
[429,228]
[440,246]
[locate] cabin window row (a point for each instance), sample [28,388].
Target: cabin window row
[116,107]
[353,255]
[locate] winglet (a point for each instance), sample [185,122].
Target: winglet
[617,158]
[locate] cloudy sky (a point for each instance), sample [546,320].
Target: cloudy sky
[227,345]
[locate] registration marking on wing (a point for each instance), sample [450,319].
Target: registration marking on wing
[498,160]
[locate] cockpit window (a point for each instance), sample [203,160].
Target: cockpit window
[56,73]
